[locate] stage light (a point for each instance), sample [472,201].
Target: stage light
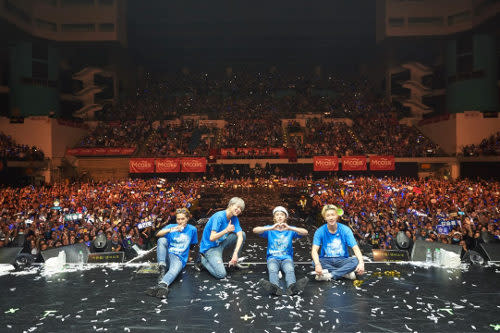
[100,242]
[476,258]
[402,241]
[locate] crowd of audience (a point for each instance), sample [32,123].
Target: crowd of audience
[187,139]
[382,134]
[376,209]
[326,138]
[489,146]
[252,104]
[10,150]
[117,134]
[63,214]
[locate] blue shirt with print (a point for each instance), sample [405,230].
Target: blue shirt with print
[179,241]
[217,223]
[334,245]
[279,243]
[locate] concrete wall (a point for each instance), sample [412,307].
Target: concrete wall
[473,128]
[64,136]
[46,19]
[443,133]
[471,13]
[36,131]
[461,129]
[47,134]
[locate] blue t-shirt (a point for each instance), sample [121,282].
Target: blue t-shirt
[217,223]
[334,245]
[179,242]
[279,243]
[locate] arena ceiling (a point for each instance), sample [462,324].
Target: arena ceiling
[195,32]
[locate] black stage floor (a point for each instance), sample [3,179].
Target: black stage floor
[391,298]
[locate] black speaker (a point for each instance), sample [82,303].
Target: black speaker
[72,253]
[487,237]
[8,255]
[19,241]
[474,257]
[491,251]
[23,260]
[420,247]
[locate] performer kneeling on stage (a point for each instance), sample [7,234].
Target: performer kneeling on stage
[333,238]
[172,251]
[280,253]
[221,231]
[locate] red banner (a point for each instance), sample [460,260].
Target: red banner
[245,152]
[279,151]
[98,151]
[354,163]
[326,163]
[142,165]
[382,163]
[193,164]
[86,152]
[168,165]
[73,151]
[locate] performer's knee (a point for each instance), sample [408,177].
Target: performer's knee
[273,268]
[162,242]
[220,273]
[354,261]
[288,268]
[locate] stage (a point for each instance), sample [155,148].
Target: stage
[390,298]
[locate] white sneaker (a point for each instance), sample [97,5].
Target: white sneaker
[350,276]
[324,277]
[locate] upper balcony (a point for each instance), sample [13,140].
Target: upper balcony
[399,18]
[68,20]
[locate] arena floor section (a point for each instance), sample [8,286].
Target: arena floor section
[390,297]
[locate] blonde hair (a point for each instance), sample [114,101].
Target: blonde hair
[237,201]
[326,208]
[184,211]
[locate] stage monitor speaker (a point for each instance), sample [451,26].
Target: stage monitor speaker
[72,253]
[19,240]
[8,255]
[420,247]
[488,238]
[491,251]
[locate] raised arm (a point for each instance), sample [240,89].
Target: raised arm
[261,230]
[300,231]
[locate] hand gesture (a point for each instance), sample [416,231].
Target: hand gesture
[234,259]
[285,226]
[275,226]
[230,227]
[360,269]
[178,228]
